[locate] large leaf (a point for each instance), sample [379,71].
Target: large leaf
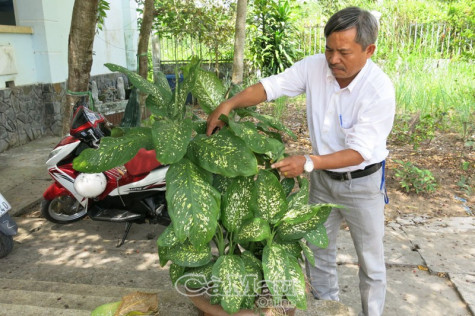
[163,255]
[167,238]
[305,212]
[161,81]
[274,265]
[300,197]
[291,231]
[157,107]
[161,105]
[291,248]
[223,153]
[113,151]
[300,214]
[182,89]
[176,272]
[159,91]
[295,278]
[208,90]
[249,258]
[257,142]
[267,121]
[221,183]
[199,126]
[288,185]
[186,255]
[308,253]
[171,138]
[256,229]
[193,203]
[253,268]
[131,116]
[229,271]
[197,278]
[237,203]
[318,236]
[270,197]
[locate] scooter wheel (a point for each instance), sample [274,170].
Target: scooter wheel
[62,210]
[6,245]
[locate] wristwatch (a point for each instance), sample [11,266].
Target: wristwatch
[308,166]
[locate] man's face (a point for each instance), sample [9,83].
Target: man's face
[345,57]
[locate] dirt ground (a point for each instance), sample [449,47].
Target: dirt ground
[443,156]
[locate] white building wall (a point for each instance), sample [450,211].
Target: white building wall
[23,59]
[42,57]
[118,39]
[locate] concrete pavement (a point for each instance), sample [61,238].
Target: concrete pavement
[71,269]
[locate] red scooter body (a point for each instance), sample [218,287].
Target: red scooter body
[133,193]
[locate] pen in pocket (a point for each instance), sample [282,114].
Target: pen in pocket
[341,121]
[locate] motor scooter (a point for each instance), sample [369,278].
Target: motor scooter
[8,228]
[133,193]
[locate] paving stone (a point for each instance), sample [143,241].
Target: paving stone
[410,291]
[446,245]
[465,285]
[397,249]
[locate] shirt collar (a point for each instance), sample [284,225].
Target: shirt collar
[355,81]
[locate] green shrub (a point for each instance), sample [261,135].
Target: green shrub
[414,179]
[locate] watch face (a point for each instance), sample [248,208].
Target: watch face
[308,166]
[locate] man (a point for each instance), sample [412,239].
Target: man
[350,112]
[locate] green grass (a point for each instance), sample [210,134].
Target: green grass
[435,87]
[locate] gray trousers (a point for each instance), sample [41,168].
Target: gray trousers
[363,202]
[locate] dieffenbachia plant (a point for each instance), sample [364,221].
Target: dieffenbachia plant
[221,192]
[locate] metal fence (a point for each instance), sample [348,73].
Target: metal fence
[438,40]
[174,50]
[430,39]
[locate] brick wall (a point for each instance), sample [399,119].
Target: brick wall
[30,112]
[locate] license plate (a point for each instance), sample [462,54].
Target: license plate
[4,205]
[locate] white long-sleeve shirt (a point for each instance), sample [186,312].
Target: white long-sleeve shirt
[359,116]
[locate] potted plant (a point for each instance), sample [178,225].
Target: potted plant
[238,231]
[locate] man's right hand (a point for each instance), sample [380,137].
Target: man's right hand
[213,121]
[252,95]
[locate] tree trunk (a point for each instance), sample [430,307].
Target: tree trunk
[239,40]
[81,40]
[144,36]
[142,50]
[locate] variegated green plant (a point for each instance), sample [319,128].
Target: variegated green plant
[236,226]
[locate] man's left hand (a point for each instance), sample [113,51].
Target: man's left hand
[290,167]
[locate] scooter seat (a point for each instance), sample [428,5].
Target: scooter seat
[143,162]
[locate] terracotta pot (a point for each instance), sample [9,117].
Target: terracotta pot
[203,304]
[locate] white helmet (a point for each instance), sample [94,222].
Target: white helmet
[90,185]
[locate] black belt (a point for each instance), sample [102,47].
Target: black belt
[342,176]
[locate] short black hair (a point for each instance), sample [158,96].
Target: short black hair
[364,21]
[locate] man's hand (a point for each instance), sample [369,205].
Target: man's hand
[290,167]
[213,121]
[252,95]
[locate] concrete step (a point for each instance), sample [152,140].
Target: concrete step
[54,298]
[27,310]
[58,300]
[105,273]
[72,269]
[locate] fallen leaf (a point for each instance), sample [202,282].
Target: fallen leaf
[138,302]
[423,268]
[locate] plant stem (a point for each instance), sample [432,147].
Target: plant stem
[220,240]
[231,244]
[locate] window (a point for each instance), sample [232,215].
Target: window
[7,14]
